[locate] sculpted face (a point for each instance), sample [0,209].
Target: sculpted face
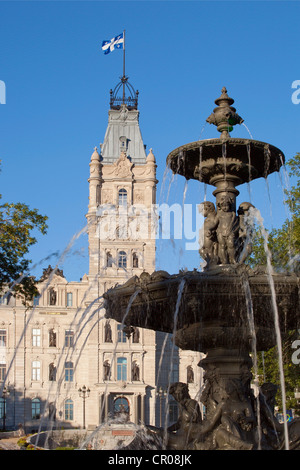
[225,203]
[206,207]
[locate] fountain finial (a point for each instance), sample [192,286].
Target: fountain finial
[224,116]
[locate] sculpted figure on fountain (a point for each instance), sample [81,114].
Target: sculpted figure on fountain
[226,236]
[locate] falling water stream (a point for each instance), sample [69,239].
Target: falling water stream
[96,431]
[29,317]
[250,318]
[177,307]
[255,213]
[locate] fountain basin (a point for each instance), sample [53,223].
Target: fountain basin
[243,159]
[114,434]
[214,308]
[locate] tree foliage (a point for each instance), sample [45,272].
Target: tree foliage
[283,242]
[18,224]
[284,247]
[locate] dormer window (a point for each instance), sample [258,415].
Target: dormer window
[122,197]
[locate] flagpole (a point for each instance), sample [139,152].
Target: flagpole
[124,66]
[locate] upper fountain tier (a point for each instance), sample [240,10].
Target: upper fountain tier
[235,159]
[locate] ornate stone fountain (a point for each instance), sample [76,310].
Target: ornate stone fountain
[225,309]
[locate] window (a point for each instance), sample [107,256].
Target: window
[109,260]
[121,334]
[69,338]
[122,369]
[2,371]
[69,371]
[36,370]
[69,299]
[36,337]
[69,408]
[135,260]
[122,197]
[3,338]
[122,259]
[121,405]
[36,408]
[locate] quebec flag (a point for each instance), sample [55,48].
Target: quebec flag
[114,43]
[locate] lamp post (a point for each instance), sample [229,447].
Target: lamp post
[5,393]
[84,393]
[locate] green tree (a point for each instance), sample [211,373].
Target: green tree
[284,246]
[268,370]
[284,242]
[17,226]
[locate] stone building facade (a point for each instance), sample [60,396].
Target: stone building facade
[64,342]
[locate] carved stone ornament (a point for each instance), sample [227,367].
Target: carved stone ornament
[107,196]
[123,166]
[138,197]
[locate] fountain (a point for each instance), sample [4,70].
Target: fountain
[225,310]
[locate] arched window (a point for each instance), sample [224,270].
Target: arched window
[109,260]
[122,197]
[121,405]
[122,369]
[36,408]
[122,259]
[69,410]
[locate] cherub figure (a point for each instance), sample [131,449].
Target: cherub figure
[227,230]
[245,231]
[209,248]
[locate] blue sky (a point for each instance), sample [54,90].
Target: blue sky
[179,54]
